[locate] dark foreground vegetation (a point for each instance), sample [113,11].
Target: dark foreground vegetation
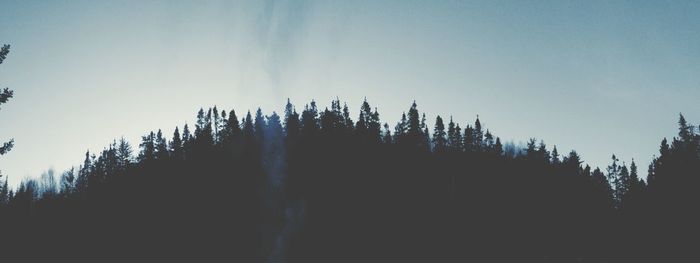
[318,186]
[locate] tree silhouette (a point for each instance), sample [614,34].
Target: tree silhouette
[5,95]
[320,187]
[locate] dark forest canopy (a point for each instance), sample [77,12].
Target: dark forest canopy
[319,186]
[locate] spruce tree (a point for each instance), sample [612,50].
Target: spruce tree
[477,135]
[260,125]
[555,156]
[387,134]
[176,145]
[148,147]
[291,122]
[454,135]
[5,95]
[439,136]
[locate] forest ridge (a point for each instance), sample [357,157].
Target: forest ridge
[319,186]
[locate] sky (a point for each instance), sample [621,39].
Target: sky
[600,77]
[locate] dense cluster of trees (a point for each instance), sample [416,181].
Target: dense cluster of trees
[318,186]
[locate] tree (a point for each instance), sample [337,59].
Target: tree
[5,95]
[309,120]
[84,173]
[68,182]
[555,156]
[439,137]
[571,163]
[260,125]
[414,133]
[469,144]
[124,153]
[176,145]
[203,137]
[161,147]
[454,137]
[216,123]
[186,141]
[400,129]
[488,141]
[498,147]
[477,135]
[291,121]
[4,194]
[387,139]
[148,147]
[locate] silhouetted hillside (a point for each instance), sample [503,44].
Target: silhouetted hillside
[320,186]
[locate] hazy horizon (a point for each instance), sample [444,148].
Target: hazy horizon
[599,77]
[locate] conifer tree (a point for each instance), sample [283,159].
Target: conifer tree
[231,130]
[469,144]
[148,147]
[387,134]
[260,125]
[176,145]
[400,129]
[309,120]
[498,147]
[161,146]
[291,121]
[124,152]
[454,135]
[555,156]
[477,135]
[439,136]
[5,95]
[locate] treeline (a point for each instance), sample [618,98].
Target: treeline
[320,186]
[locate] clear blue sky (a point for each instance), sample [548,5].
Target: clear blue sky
[600,77]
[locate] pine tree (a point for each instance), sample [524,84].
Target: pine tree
[387,135]
[203,136]
[291,122]
[542,152]
[260,126]
[439,136]
[477,135]
[571,163]
[161,146]
[68,182]
[636,184]
[400,129]
[176,145]
[309,120]
[555,156]
[375,127]
[248,130]
[4,194]
[498,147]
[349,126]
[454,135]
[5,95]
[488,141]
[148,147]
[231,131]
[414,136]
[469,144]
[363,121]
[186,141]
[426,134]
[216,121]
[124,152]
[83,173]
[685,131]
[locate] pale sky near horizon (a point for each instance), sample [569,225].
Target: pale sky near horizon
[600,77]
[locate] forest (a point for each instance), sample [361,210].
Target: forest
[318,185]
